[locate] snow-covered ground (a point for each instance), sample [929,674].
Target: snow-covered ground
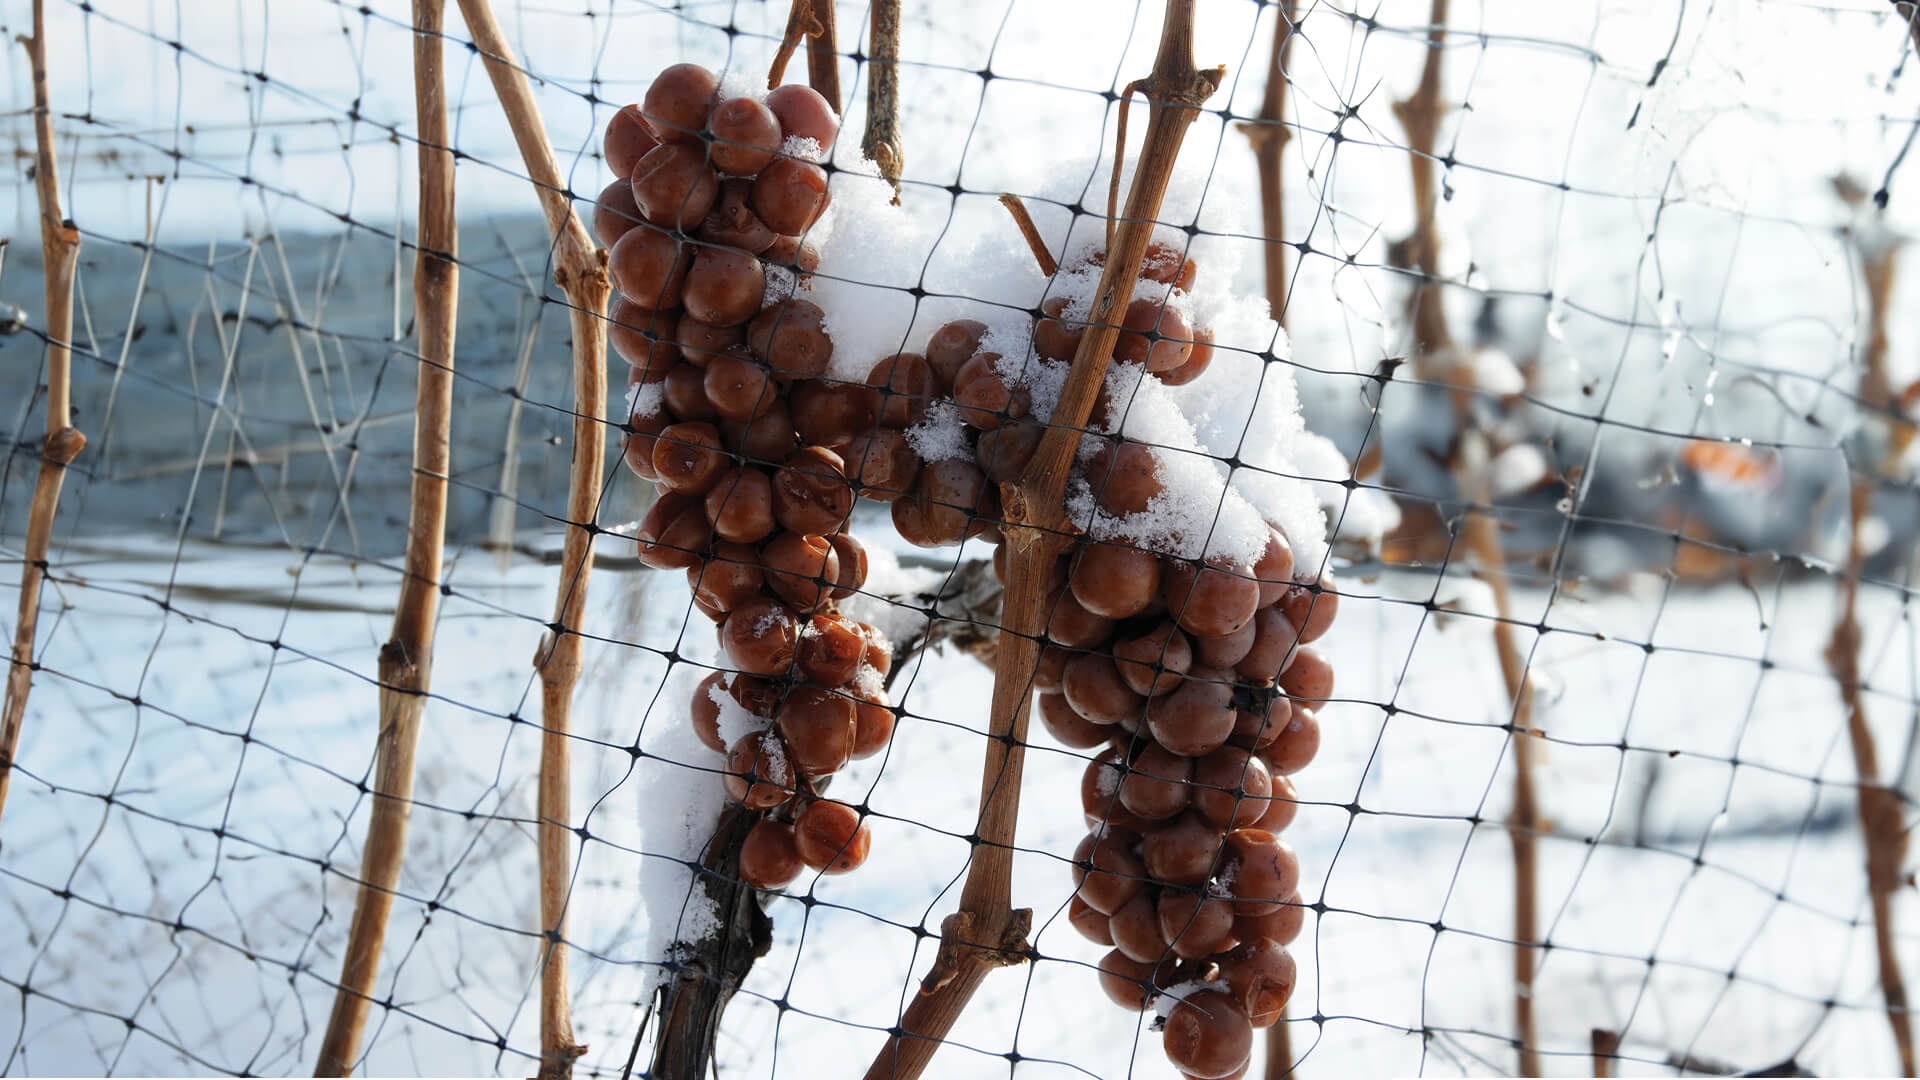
[205,904]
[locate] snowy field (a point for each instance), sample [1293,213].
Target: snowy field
[207,902]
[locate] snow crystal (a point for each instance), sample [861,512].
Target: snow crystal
[1107,780]
[780,285]
[1516,469]
[740,84]
[646,399]
[804,148]
[871,254]
[735,721]
[886,577]
[1169,999]
[940,435]
[868,680]
[1364,515]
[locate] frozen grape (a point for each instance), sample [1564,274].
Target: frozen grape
[738,385]
[853,565]
[804,113]
[1282,925]
[818,728]
[879,651]
[704,712]
[872,720]
[1154,334]
[1156,784]
[1313,612]
[648,267]
[1264,870]
[678,102]
[1274,644]
[685,392]
[1274,568]
[1114,580]
[831,650]
[1226,650]
[800,569]
[1193,925]
[1197,717]
[1106,872]
[674,532]
[1091,923]
[643,337]
[1127,981]
[952,498]
[769,856]
[759,775]
[1052,664]
[1231,788]
[1282,808]
[626,141]
[740,506]
[1053,337]
[700,342]
[1135,929]
[792,338]
[614,212]
[1182,851]
[1124,478]
[731,578]
[789,195]
[952,346]
[1298,742]
[766,439]
[1004,452]
[1094,688]
[1169,266]
[982,395]
[745,136]
[674,188]
[1208,601]
[760,637]
[1309,678]
[1197,361]
[793,253]
[732,221]
[1154,662]
[811,493]
[1067,727]
[907,386]
[1070,624]
[831,837]
[723,288]
[1260,975]
[832,414]
[882,464]
[756,695]
[1208,1036]
[689,459]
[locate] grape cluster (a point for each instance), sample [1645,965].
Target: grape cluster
[754,501]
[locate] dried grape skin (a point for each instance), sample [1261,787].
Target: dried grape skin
[674,188]
[1156,783]
[1092,924]
[853,565]
[982,395]
[769,856]
[689,459]
[1004,452]
[1094,688]
[1106,872]
[803,112]
[760,638]
[1115,580]
[1197,718]
[731,578]
[1264,868]
[648,267]
[1208,601]
[831,837]
[882,464]
[674,533]
[811,493]
[1067,727]
[1231,788]
[1194,926]
[831,651]
[614,212]
[740,506]
[704,712]
[1208,1036]
[1182,851]
[1309,678]
[1260,975]
[833,414]
[1154,662]
[759,774]
[952,346]
[746,135]
[1313,612]
[818,728]
[790,195]
[626,140]
[1124,478]
[738,386]
[800,569]
[686,394]
[723,288]
[732,222]
[678,103]
[907,387]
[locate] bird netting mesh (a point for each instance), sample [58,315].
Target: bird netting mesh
[1592,312]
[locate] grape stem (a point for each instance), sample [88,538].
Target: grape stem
[987,931]
[881,143]
[406,660]
[59,255]
[580,269]
[1031,232]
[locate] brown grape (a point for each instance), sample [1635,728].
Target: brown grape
[1135,929]
[705,712]
[673,533]
[740,506]
[952,346]
[1208,601]
[1100,792]
[882,464]
[1094,688]
[643,337]
[790,195]
[1197,361]
[614,212]
[648,267]
[1154,334]
[1004,452]
[1226,650]
[678,102]
[745,136]
[756,695]
[1169,266]
[686,393]
[1068,728]
[833,414]
[626,141]
[832,838]
[1115,580]
[1106,872]
[1274,568]
[907,386]
[1282,808]
[1124,478]
[730,578]
[1154,662]
[818,728]
[766,439]
[732,221]
[1091,923]
[831,649]
[1231,788]
[1053,337]
[645,432]
[1265,870]
[853,565]
[798,571]
[1274,645]
[983,396]
[1127,981]
[803,112]
[873,720]
[1298,742]
[1070,624]
[793,253]
[1156,783]
[1195,926]
[1313,612]
[700,342]
[759,774]
[1197,717]
[723,288]
[951,497]
[689,459]
[1182,851]
[1260,975]
[674,188]
[769,856]
[738,385]
[1309,678]
[879,651]
[1281,926]
[1208,1036]
[1052,665]
[760,637]
[811,493]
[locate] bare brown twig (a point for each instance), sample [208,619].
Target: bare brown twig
[59,255]
[823,54]
[1269,137]
[580,269]
[406,660]
[1031,232]
[881,143]
[987,932]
